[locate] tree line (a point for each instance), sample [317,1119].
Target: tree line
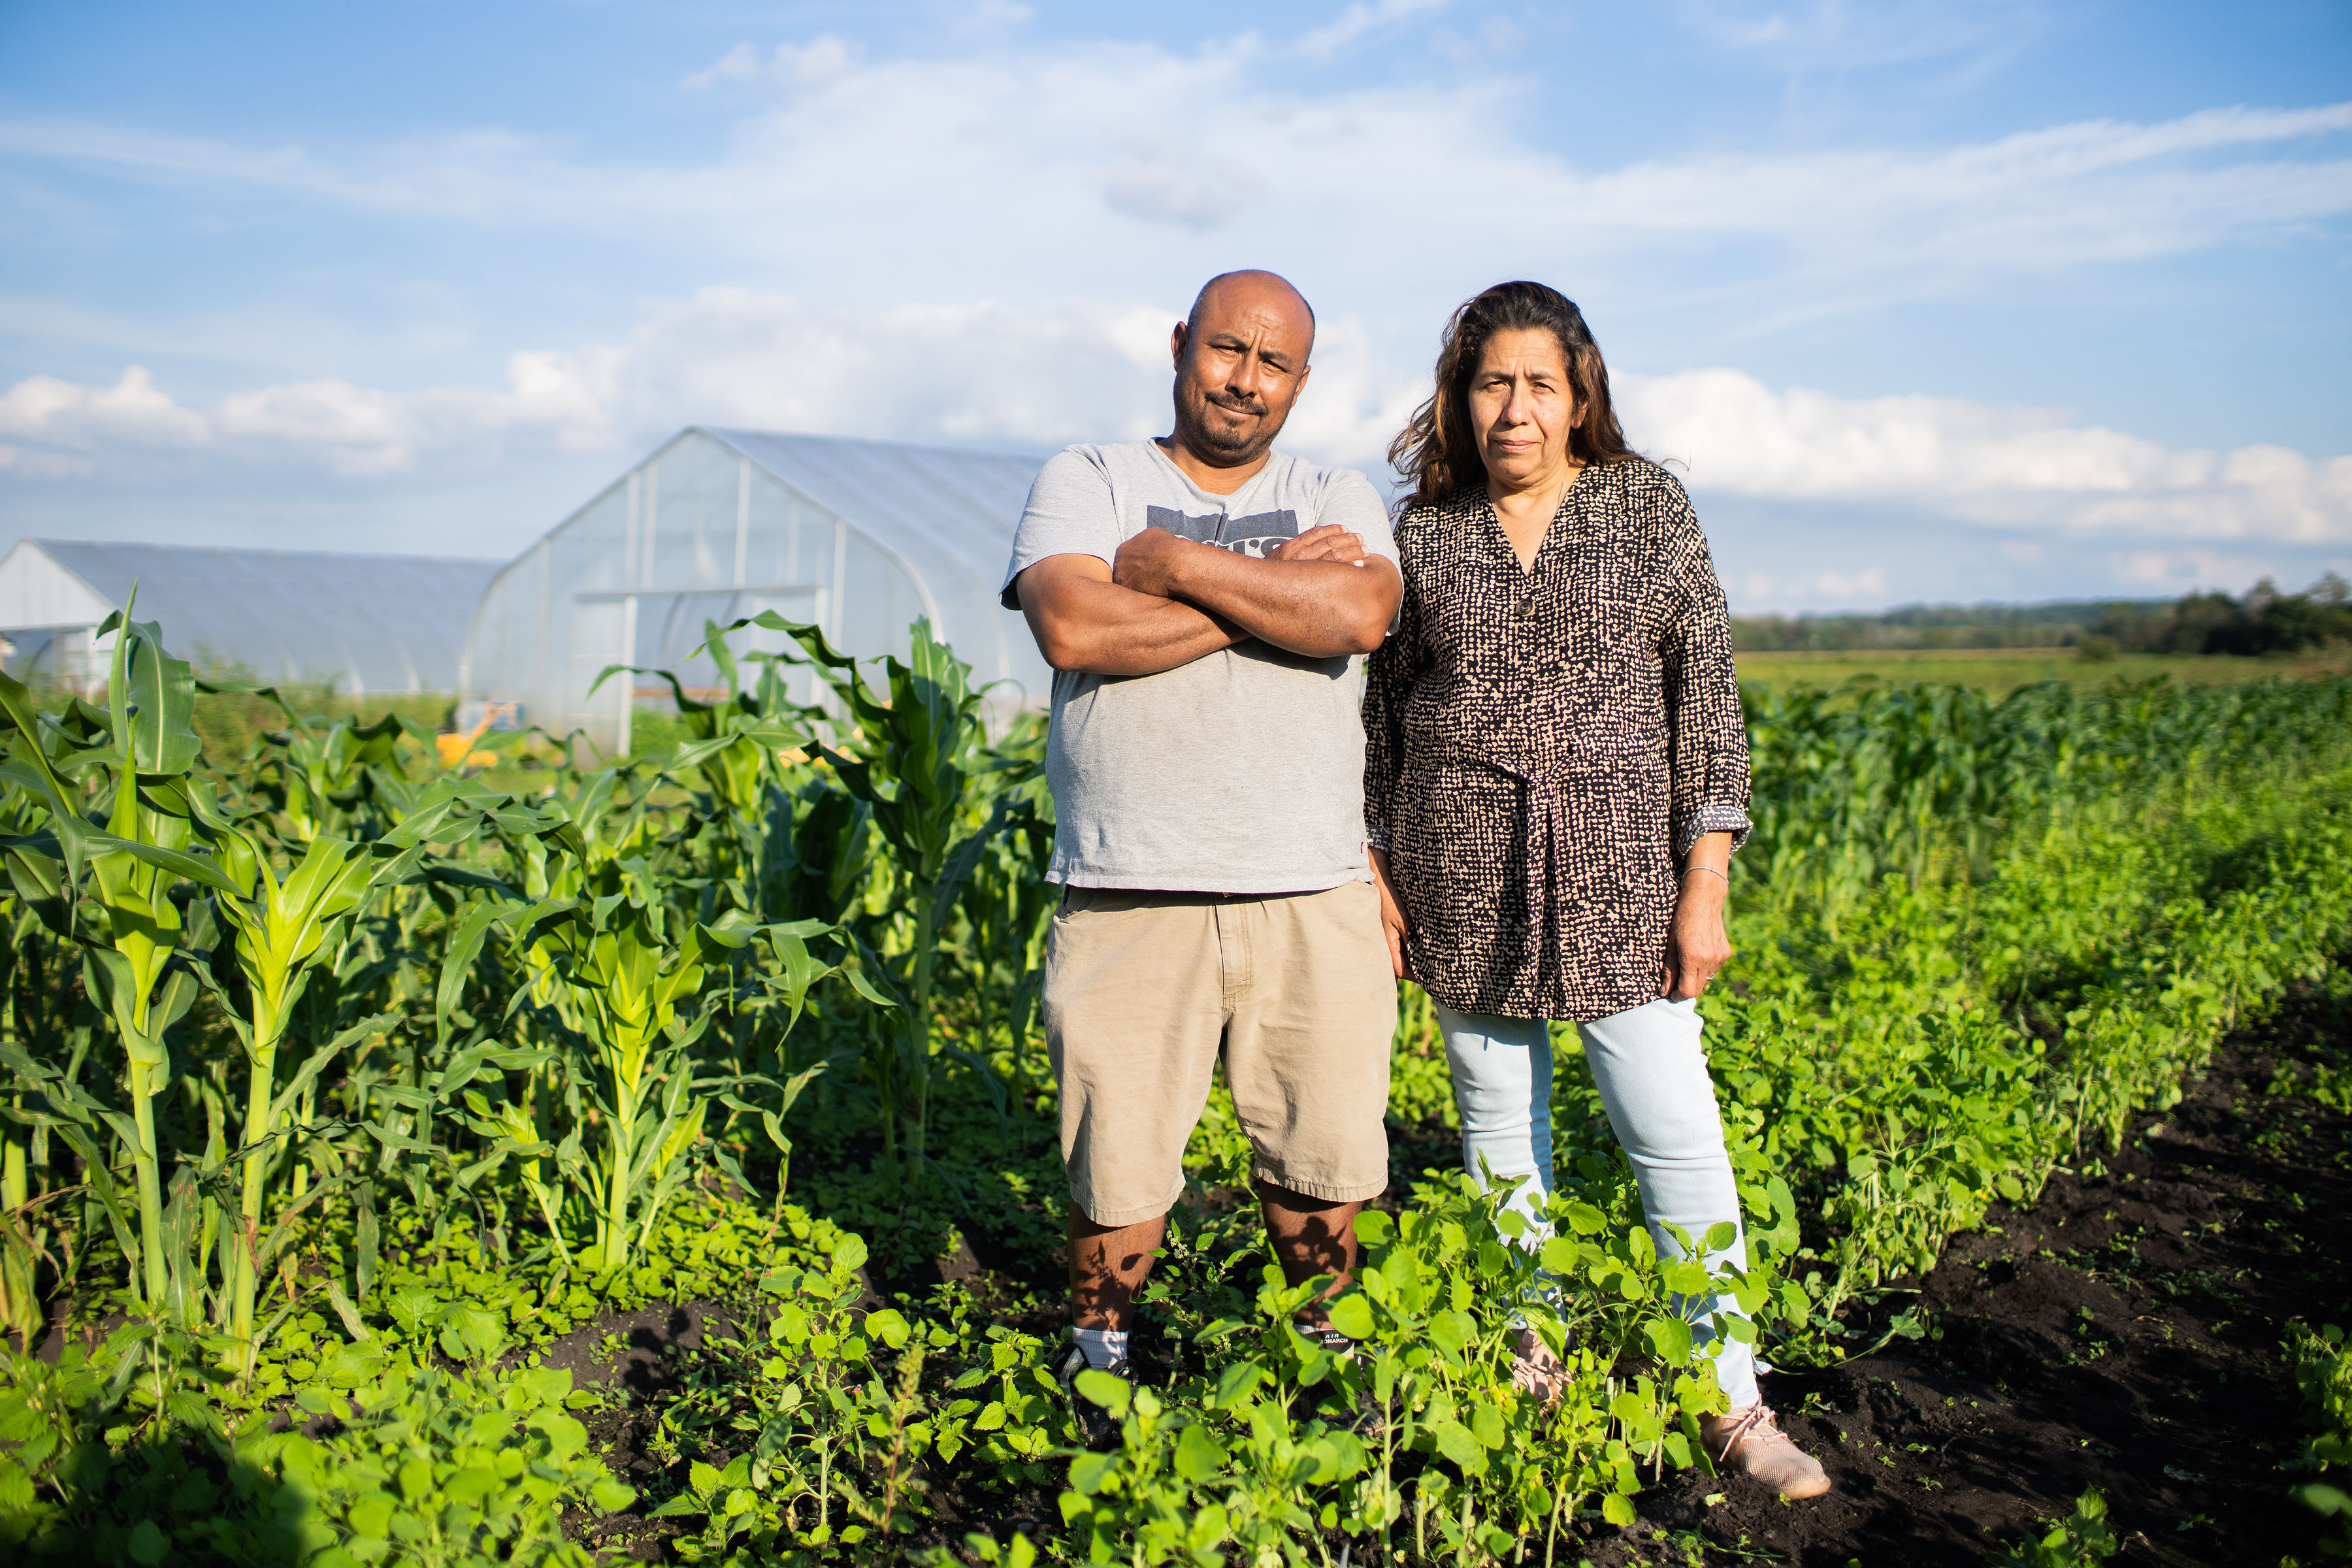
[2262,620]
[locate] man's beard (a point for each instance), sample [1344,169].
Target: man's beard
[1226,442]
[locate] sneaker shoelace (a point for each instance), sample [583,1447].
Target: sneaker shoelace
[1755,1421]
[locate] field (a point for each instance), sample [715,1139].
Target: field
[1998,671]
[418,1157]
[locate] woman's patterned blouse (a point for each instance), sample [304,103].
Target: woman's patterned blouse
[1544,745]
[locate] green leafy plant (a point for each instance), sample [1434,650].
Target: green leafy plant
[2322,1374]
[433,1074]
[2081,1540]
[913,773]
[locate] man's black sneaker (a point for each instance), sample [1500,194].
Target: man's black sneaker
[1364,1420]
[1097,1428]
[1332,1340]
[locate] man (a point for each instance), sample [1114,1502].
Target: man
[1201,599]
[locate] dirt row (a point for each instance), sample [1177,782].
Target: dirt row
[2124,1332]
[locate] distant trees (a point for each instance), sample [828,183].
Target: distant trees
[2054,624]
[2264,621]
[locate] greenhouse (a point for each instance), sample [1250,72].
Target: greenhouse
[857,537]
[359,623]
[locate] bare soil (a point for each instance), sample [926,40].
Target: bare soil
[2123,1332]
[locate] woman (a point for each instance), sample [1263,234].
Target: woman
[1556,779]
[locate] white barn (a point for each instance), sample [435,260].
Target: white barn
[857,537]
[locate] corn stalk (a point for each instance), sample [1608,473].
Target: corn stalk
[919,754]
[134,964]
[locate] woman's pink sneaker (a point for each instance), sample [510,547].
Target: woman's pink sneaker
[1535,1370]
[1750,1442]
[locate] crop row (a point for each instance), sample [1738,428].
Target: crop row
[339,1082]
[2322,1365]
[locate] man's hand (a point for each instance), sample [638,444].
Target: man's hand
[1083,621]
[1295,597]
[1154,560]
[1151,561]
[1393,924]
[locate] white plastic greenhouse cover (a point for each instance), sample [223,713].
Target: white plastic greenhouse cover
[858,537]
[368,622]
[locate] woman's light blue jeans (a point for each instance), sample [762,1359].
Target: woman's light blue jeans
[1651,1073]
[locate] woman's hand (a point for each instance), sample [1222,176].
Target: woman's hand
[1696,944]
[1392,922]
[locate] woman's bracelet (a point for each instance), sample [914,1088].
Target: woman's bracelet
[1710,871]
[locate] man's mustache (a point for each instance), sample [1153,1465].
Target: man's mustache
[1238,405]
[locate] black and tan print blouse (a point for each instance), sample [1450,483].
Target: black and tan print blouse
[1545,745]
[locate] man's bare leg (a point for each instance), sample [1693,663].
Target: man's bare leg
[1311,1236]
[1108,1264]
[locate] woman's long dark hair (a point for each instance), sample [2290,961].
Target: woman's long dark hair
[1438,450]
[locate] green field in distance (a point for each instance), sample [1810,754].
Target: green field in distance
[2001,670]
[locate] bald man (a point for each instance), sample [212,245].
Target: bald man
[1202,599]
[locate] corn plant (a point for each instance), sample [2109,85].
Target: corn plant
[285,928]
[43,1021]
[1007,906]
[734,751]
[133,964]
[323,780]
[621,969]
[911,768]
[917,759]
[613,965]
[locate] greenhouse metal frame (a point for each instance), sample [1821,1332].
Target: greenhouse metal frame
[859,538]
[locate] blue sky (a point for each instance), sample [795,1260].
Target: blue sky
[1977,299]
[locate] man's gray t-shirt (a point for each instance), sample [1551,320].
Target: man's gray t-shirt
[1242,772]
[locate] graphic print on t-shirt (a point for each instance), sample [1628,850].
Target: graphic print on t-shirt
[1251,535]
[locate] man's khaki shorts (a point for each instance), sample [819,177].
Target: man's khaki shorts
[1144,989]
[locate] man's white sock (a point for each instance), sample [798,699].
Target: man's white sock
[1101,1346]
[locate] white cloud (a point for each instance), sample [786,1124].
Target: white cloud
[812,64]
[1025,166]
[1188,191]
[2157,572]
[1771,588]
[1356,22]
[1844,34]
[1866,227]
[1036,376]
[2012,467]
[357,431]
[982,374]
[1000,374]
[741,63]
[135,430]
[994,18]
[131,411]
[44,465]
